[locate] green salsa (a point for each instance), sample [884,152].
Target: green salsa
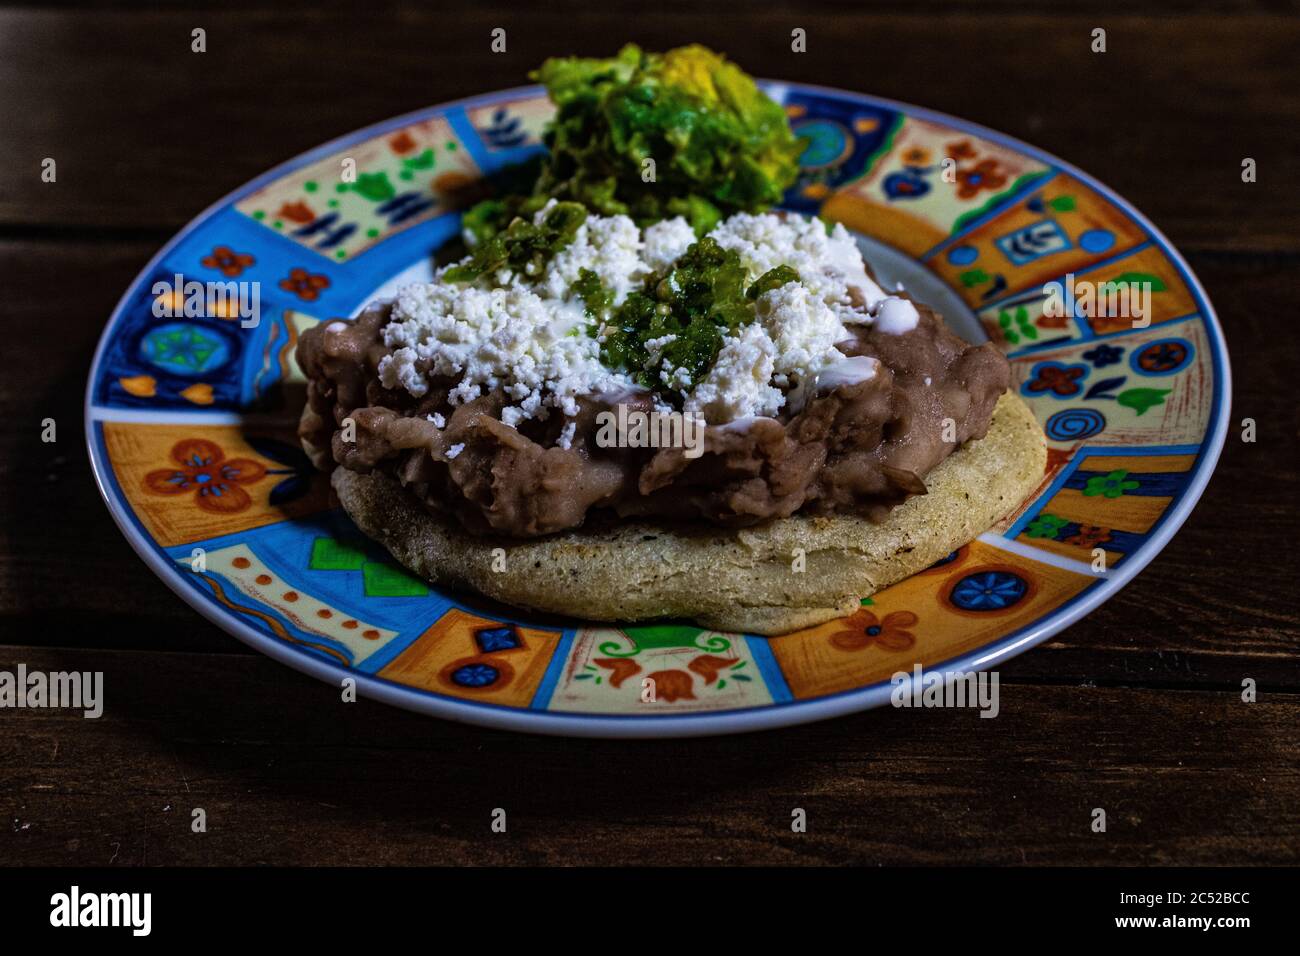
[523,246]
[595,296]
[700,299]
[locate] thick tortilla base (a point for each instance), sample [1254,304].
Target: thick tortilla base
[728,580]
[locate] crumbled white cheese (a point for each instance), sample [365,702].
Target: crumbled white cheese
[655,347]
[566,434]
[673,378]
[494,338]
[609,246]
[803,330]
[530,337]
[791,347]
[829,265]
[666,241]
[455,449]
[738,384]
[437,419]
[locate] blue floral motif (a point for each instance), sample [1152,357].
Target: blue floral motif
[185,348]
[1163,357]
[905,185]
[1104,355]
[828,143]
[475,675]
[490,639]
[989,591]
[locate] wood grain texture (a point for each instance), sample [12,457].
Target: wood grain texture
[1134,709]
[148,133]
[289,774]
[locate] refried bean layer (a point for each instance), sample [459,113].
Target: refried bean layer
[861,448]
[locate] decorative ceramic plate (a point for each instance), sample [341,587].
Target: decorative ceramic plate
[190,421]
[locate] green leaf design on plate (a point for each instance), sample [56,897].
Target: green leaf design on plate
[1062,203]
[1046,526]
[375,186]
[334,554]
[1142,399]
[1133,279]
[1113,485]
[665,636]
[423,161]
[1026,327]
[974,277]
[386,580]
[1004,321]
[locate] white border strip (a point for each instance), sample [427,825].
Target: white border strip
[99,413]
[1037,554]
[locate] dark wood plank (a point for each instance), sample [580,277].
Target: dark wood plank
[288,774]
[147,133]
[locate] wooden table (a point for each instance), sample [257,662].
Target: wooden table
[1136,709]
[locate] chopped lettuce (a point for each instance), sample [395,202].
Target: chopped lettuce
[656,135]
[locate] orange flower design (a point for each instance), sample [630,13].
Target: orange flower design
[621,667]
[708,666]
[961,150]
[304,284]
[297,212]
[1057,378]
[401,143]
[673,685]
[230,263]
[864,629]
[1089,536]
[986,174]
[203,470]
[916,156]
